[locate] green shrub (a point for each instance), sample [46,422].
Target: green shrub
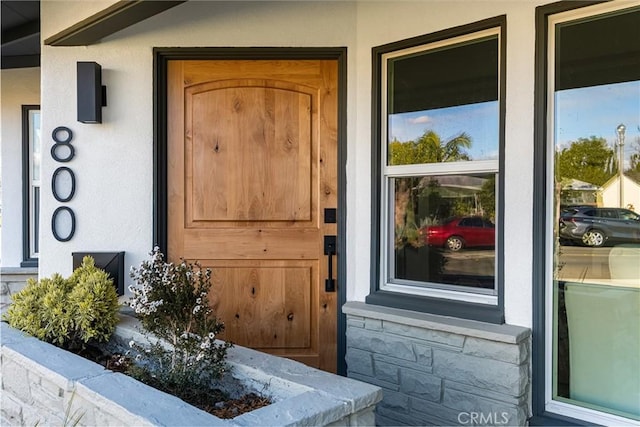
[67,312]
[171,302]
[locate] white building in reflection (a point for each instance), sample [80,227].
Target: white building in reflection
[631,191]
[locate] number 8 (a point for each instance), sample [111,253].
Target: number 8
[66,142]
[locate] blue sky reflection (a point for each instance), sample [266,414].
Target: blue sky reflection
[597,111]
[480,121]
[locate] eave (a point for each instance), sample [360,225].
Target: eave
[120,15]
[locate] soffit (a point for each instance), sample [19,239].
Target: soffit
[20,34]
[116,17]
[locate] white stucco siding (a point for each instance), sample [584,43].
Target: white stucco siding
[19,87]
[519,173]
[113,163]
[113,160]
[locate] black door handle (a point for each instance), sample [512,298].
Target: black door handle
[330,250]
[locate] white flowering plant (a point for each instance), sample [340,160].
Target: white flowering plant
[171,303]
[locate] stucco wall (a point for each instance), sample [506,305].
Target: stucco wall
[113,163]
[19,87]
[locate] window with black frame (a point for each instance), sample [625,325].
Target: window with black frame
[31,158]
[440,137]
[592,150]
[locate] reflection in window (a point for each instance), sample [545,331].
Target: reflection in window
[444,230]
[596,188]
[441,124]
[439,109]
[36,155]
[415,137]
[31,175]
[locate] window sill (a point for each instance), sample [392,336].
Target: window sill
[503,333]
[438,306]
[466,297]
[22,270]
[29,265]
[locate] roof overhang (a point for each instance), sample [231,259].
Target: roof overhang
[20,34]
[108,21]
[21,27]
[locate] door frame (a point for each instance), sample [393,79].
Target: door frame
[161,57]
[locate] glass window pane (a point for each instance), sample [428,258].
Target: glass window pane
[439,108]
[444,230]
[596,277]
[35,145]
[33,150]
[440,138]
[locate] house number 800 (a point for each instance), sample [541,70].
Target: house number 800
[62,137]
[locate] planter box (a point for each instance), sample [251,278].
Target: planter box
[40,382]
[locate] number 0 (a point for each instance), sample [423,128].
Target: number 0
[54,229]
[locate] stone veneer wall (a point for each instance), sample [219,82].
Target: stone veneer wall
[12,280]
[40,383]
[437,370]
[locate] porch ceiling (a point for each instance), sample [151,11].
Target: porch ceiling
[20,34]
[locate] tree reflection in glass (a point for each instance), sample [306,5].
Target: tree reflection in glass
[444,229]
[596,189]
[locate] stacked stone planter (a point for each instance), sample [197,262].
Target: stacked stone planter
[439,371]
[12,280]
[40,383]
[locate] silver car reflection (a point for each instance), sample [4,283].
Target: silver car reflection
[593,226]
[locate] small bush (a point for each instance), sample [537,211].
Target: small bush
[67,312]
[171,303]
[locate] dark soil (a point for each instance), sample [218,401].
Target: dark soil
[215,401]
[231,408]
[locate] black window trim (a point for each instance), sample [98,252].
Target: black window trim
[27,259]
[439,306]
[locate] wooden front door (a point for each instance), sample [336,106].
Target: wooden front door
[252,166]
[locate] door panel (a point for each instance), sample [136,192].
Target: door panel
[252,164]
[283,296]
[258,169]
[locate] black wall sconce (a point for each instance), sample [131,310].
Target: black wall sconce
[92,96]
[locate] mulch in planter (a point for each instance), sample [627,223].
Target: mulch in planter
[215,402]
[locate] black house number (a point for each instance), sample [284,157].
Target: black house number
[62,151]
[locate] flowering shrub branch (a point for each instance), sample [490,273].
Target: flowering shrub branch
[171,304]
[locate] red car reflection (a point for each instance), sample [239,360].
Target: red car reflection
[461,232]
